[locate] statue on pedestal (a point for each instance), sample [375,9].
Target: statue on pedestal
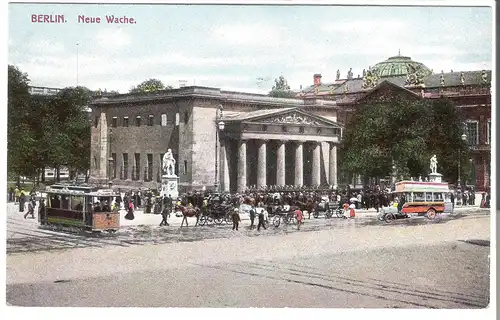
[168,163]
[434,163]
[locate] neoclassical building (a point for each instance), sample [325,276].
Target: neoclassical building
[264,140]
[470,91]
[229,140]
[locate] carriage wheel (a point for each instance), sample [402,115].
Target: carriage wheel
[315,214]
[389,217]
[218,221]
[339,213]
[203,220]
[229,220]
[431,214]
[276,221]
[328,214]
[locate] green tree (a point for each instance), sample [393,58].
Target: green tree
[150,85]
[281,89]
[404,133]
[21,142]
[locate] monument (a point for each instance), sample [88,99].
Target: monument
[434,176]
[169,180]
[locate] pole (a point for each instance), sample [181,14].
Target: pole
[216,158]
[77,64]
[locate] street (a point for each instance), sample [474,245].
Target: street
[332,263]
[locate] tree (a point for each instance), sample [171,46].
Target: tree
[281,89]
[20,136]
[150,85]
[404,133]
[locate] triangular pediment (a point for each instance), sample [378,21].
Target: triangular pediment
[295,116]
[387,89]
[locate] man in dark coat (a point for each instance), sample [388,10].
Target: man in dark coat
[261,220]
[252,217]
[236,219]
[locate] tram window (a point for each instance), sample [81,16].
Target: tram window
[418,196]
[54,202]
[428,196]
[65,202]
[408,196]
[438,196]
[77,203]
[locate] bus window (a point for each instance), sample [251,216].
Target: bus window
[408,196]
[418,196]
[438,196]
[428,196]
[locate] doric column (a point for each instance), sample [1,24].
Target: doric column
[333,165]
[262,164]
[299,164]
[316,165]
[225,167]
[280,164]
[242,166]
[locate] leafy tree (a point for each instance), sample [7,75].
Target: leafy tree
[150,85]
[20,137]
[281,89]
[404,133]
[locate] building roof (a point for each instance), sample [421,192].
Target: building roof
[453,78]
[399,66]
[249,115]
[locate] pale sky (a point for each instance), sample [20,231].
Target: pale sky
[231,46]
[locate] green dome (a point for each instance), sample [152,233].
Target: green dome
[399,66]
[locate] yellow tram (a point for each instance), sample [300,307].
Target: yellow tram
[81,207]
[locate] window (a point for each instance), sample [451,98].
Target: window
[125,121]
[301,129]
[114,122]
[177,120]
[472,132]
[96,121]
[264,128]
[185,166]
[125,166]
[77,203]
[284,129]
[428,196]
[488,132]
[164,120]
[138,121]
[113,155]
[318,131]
[149,173]
[137,166]
[186,117]
[437,196]
[150,120]
[418,196]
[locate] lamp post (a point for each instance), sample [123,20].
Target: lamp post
[464,138]
[219,126]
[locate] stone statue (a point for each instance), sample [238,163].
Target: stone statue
[484,76]
[349,74]
[169,163]
[434,164]
[462,78]
[364,73]
[338,74]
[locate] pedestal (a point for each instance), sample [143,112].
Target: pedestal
[169,186]
[435,177]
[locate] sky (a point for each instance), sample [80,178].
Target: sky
[239,47]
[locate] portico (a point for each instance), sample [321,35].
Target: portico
[278,147]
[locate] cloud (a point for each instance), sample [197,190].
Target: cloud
[248,34]
[113,38]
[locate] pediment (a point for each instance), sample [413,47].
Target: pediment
[294,117]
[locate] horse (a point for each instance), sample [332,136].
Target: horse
[188,212]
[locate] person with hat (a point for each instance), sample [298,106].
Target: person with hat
[236,219]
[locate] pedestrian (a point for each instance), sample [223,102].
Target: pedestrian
[165,213]
[262,219]
[299,217]
[252,217]
[17,194]
[452,199]
[236,219]
[31,210]
[41,211]
[130,214]
[22,200]
[11,194]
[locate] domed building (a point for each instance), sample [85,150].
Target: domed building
[399,66]
[469,90]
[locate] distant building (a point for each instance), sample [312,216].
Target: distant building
[44,91]
[468,90]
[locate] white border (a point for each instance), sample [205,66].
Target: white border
[94,313]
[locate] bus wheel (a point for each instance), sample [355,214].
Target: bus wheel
[431,214]
[388,217]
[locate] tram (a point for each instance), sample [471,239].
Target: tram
[82,207]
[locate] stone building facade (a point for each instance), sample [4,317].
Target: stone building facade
[470,91]
[264,141]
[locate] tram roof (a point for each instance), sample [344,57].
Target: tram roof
[90,192]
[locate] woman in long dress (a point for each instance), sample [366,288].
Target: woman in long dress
[130,213]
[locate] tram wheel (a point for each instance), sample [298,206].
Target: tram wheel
[431,214]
